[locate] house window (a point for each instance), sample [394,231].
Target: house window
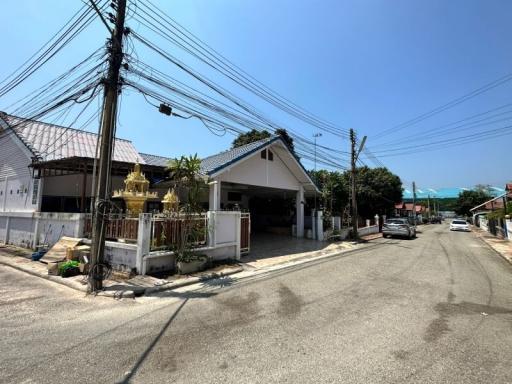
[270,154]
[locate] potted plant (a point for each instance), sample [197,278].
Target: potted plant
[69,268]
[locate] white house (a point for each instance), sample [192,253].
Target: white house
[46,186]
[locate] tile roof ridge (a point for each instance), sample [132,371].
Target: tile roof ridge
[260,141]
[4,114]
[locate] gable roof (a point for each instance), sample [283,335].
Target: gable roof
[53,142]
[215,163]
[156,160]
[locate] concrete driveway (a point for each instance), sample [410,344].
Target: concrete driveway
[437,309]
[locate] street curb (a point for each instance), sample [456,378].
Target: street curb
[125,294]
[120,294]
[481,238]
[302,263]
[192,280]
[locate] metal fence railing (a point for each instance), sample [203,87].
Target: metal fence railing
[117,227]
[166,231]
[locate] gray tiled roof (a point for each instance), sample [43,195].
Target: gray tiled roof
[53,142]
[159,161]
[212,164]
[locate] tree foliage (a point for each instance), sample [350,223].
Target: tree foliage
[288,140]
[254,135]
[378,190]
[470,199]
[184,171]
[250,137]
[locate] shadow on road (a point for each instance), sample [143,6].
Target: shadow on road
[150,347]
[221,282]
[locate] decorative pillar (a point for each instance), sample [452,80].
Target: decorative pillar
[299,206]
[214,200]
[143,242]
[212,225]
[319,226]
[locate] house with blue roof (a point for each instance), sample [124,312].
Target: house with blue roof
[262,178]
[47,184]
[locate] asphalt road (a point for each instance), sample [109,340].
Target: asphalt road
[437,309]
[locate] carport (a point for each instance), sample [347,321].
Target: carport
[265,179]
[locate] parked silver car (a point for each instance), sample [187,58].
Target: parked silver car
[398,227]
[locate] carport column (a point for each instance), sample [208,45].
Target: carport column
[299,203]
[214,201]
[319,225]
[143,242]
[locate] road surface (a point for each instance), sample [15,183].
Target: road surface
[437,309]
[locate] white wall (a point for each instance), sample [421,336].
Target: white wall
[261,172]
[26,229]
[484,223]
[16,182]
[368,230]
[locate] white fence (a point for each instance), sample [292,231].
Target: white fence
[368,230]
[27,229]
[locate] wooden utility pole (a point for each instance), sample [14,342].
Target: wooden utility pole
[353,204]
[353,171]
[108,121]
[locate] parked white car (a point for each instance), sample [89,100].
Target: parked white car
[459,225]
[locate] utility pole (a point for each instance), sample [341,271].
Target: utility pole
[428,202]
[353,159]
[109,114]
[353,203]
[414,202]
[315,136]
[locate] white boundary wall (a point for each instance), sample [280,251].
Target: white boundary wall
[26,229]
[368,230]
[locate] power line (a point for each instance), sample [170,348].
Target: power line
[83,20]
[442,144]
[153,18]
[444,107]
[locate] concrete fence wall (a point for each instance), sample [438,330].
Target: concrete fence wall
[28,229]
[368,230]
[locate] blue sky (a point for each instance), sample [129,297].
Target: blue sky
[369,64]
